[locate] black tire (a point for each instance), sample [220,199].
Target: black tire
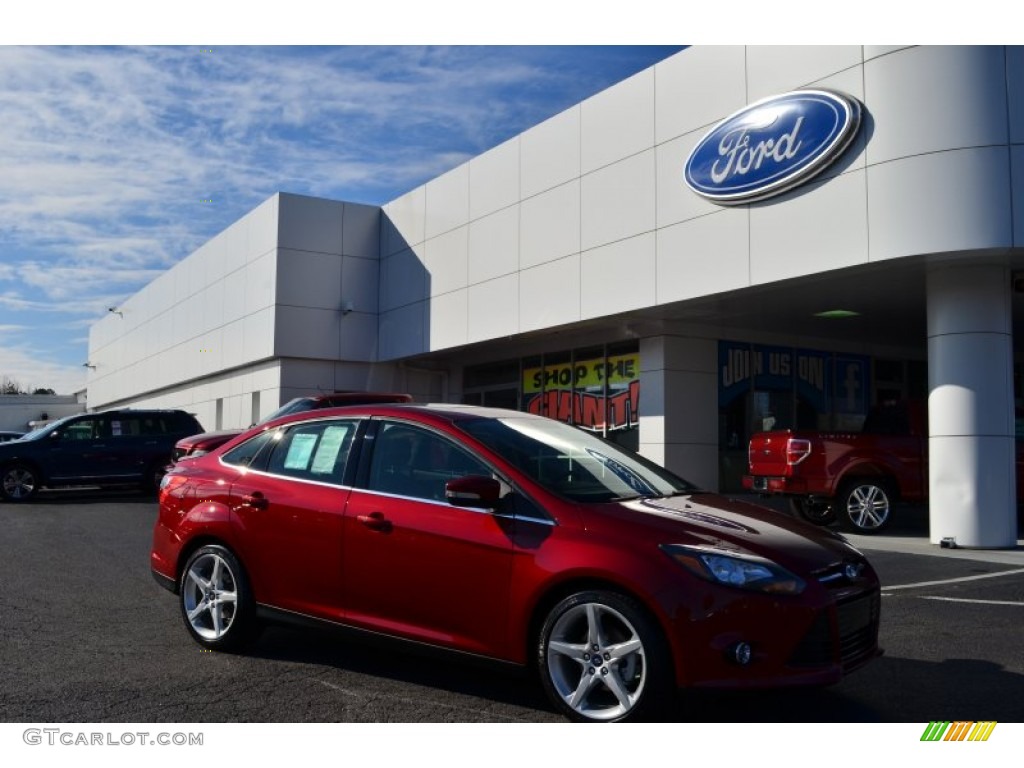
[817,511]
[154,474]
[216,601]
[865,505]
[614,682]
[18,482]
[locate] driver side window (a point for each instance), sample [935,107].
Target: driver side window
[414,462]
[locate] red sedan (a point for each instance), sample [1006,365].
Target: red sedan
[512,537]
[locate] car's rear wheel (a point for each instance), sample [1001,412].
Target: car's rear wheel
[18,482]
[602,659]
[216,601]
[865,505]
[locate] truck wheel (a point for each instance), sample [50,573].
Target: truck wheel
[817,511]
[865,506]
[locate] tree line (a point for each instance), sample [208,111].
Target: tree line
[9,386]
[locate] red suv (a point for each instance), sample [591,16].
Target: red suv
[511,537]
[197,445]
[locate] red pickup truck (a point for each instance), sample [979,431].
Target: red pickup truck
[855,477]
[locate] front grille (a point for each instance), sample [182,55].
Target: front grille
[853,639]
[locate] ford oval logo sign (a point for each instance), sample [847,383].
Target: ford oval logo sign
[772,146]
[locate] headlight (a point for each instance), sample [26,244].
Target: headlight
[735,569]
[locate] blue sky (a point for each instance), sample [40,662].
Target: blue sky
[109,155]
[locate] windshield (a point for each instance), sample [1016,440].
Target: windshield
[573,463]
[298,405]
[48,428]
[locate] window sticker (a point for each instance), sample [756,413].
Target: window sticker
[299,451]
[327,452]
[115,428]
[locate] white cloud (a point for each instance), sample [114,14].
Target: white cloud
[27,368]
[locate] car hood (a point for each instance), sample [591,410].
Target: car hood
[711,520]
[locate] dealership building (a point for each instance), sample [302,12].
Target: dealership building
[736,238]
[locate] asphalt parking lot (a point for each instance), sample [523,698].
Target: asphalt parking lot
[86,635]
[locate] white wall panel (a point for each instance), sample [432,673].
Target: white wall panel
[309,279]
[404,221]
[494,245]
[549,294]
[309,224]
[360,283]
[946,201]
[550,153]
[618,201]
[874,51]
[494,179]
[823,226]
[618,277]
[930,99]
[360,231]
[493,309]
[698,87]
[403,279]
[233,292]
[447,319]
[358,337]
[1015,91]
[403,331]
[1017,178]
[306,332]
[447,260]
[550,225]
[258,335]
[704,256]
[675,201]
[775,69]
[260,282]
[618,122]
[447,201]
[261,229]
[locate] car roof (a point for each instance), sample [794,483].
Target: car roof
[428,412]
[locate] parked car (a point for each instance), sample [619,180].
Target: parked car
[197,445]
[117,447]
[510,537]
[853,477]
[6,437]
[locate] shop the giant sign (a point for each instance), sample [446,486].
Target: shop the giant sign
[575,392]
[772,146]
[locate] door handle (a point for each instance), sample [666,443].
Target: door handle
[256,500]
[375,521]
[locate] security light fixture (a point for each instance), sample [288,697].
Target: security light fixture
[115,311]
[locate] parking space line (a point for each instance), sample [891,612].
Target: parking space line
[969,600]
[958,580]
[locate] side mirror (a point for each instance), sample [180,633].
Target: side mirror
[473,491]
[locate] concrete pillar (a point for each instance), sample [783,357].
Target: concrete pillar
[972,493]
[679,406]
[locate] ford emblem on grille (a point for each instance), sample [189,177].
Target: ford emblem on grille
[773,145]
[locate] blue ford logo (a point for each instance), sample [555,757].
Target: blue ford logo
[772,146]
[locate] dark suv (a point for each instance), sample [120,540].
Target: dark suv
[120,447]
[197,445]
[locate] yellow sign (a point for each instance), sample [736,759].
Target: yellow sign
[618,370]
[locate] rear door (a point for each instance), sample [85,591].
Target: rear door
[414,565]
[291,503]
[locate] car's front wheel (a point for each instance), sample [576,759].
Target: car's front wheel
[216,601]
[602,659]
[18,482]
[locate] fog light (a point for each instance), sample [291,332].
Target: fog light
[741,653]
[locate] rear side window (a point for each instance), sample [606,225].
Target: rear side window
[317,451]
[245,454]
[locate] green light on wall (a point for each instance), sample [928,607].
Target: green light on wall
[833,314]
